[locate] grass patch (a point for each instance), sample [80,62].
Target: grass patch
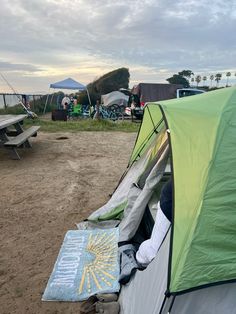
[83,125]
[18,109]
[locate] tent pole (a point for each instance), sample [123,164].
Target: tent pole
[172,303]
[89,100]
[163,303]
[45,106]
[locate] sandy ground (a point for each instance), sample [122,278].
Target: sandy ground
[56,184]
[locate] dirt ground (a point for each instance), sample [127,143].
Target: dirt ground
[56,184]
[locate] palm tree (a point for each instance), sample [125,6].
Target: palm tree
[228,74]
[192,80]
[218,78]
[204,80]
[211,78]
[198,79]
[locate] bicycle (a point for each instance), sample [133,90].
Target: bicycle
[105,113]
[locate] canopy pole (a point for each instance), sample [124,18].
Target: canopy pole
[90,105]
[52,98]
[45,106]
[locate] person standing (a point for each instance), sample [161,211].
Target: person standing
[149,248]
[65,100]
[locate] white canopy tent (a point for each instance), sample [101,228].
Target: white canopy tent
[115,97]
[68,83]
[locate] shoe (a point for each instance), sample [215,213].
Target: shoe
[89,306]
[128,263]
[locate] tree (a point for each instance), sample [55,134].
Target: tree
[192,80]
[182,77]
[198,79]
[218,78]
[107,83]
[211,78]
[228,74]
[186,73]
[204,80]
[178,79]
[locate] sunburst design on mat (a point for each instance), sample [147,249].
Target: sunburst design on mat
[102,248]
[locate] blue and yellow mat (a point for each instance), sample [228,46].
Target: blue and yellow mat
[87,264]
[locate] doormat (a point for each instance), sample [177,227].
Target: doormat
[87,264]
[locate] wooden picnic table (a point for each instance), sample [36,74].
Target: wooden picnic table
[12,133]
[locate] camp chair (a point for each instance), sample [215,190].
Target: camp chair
[77,110]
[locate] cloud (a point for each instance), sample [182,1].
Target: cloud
[8,66]
[52,38]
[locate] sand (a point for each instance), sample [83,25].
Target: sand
[56,184]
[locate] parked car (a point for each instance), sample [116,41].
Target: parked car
[184,92]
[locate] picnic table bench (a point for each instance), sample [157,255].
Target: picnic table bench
[12,134]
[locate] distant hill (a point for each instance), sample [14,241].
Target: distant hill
[107,83]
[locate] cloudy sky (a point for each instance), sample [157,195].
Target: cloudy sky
[44,41]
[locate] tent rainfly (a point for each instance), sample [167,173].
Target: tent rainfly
[195,269]
[70,84]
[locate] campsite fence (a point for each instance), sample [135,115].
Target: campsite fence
[35,102]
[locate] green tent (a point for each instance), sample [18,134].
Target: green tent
[197,135]
[203,144]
